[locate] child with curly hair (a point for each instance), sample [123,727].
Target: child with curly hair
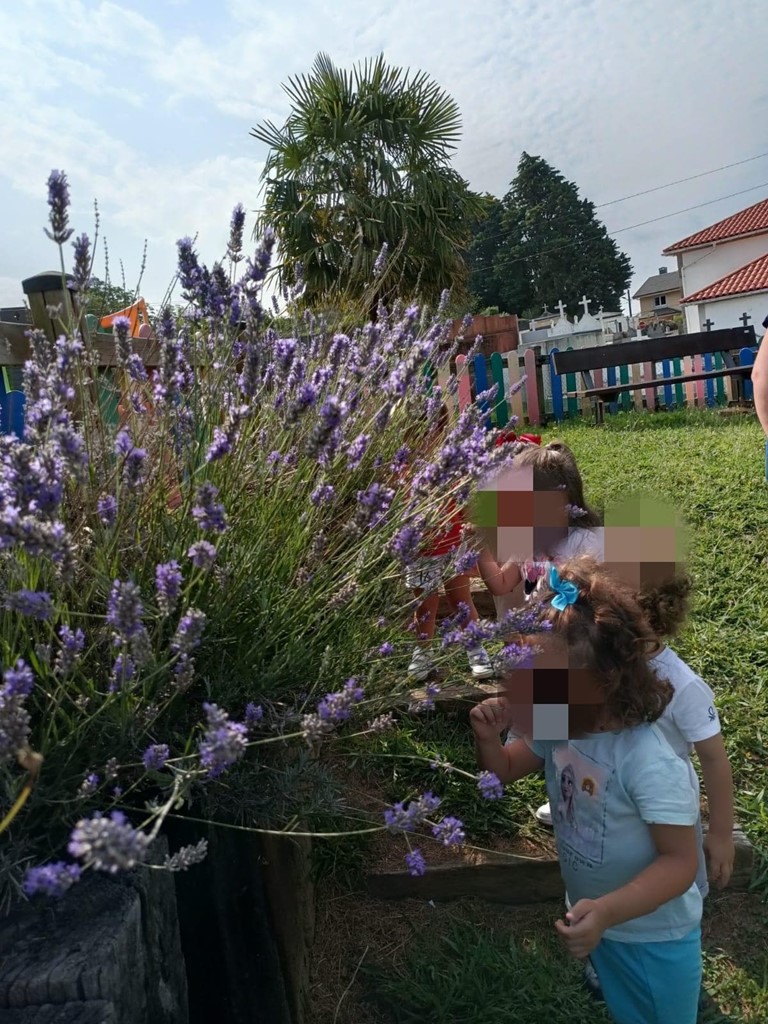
[627,840]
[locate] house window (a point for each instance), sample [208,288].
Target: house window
[660,300]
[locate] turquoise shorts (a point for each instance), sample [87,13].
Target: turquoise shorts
[650,982]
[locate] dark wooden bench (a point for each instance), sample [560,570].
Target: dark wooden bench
[650,351]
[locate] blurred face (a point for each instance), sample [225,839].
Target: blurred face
[551,698]
[645,541]
[517,521]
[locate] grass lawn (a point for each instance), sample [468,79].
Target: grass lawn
[468,963]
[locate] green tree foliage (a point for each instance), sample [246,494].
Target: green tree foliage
[363,160]
[542,243]
[103,297]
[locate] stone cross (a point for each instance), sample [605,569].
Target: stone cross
[745,318]
[708,324]
[561,307]
[585,304]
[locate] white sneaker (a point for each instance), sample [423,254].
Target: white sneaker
[479,663]
[421,666]
[544,814]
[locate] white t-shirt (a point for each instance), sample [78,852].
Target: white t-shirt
[580,541]
[690,717]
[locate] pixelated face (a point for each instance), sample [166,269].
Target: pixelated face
[551,699]
[518,521]
[645,541]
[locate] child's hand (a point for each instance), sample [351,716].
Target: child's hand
[721,853]
[490,718]
[582,929]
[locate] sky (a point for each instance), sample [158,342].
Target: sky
[148,105]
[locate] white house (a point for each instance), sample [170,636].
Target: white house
[724,271]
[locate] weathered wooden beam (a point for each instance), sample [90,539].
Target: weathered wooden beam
[14,347]
[505,878]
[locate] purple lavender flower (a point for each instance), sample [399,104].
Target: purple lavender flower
[208,513]
[236,224]
[406,544]
[464,563]
[372,505]
[155,756]
[125,610]
[400,818]
[220,446]
[223,743]
[36,604]
[337,707]
[356,450]
[134,464]
[325,434]
[121,325]
[18,681]
[400,460]
[186,856]
[381,723]
[89,785]
[254,713]
[415,863]
[51,879]
[107,509]
[72,644]
[202,554]
[381,261]
[81,271]
[189,631]
[108,844]
[450,831]
[123,671]
[490,786]
[322,494]
[58,203]
[387,649]
[168,580]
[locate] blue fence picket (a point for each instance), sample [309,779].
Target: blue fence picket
[666,373]
[747,358]
[709,385]
[481,384]
[610,381]
[557,389]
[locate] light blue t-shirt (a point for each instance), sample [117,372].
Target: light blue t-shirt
[604,790]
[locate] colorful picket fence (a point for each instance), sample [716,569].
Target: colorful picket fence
[545,395]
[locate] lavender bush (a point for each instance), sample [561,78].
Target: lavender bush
[185,589]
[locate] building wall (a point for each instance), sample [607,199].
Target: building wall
[647,306]
[701,267]
[726,312]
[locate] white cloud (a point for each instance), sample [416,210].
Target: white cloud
[618,98]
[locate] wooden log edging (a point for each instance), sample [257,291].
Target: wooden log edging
[512,880]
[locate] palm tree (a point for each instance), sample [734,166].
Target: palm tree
[363,160]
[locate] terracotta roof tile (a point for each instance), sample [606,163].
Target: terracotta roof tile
[753,277]
[753,220]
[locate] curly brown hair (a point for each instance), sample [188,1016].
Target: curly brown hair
[554,466]
[608,634]
[666,603]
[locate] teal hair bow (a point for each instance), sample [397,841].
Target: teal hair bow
[565,593]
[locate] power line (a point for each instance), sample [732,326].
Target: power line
[630,227]
[659,188]
[680,181]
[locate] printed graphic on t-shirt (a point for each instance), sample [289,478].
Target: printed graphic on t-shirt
[579,810]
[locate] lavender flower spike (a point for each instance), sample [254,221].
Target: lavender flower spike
[58,203]
[108,844]
[51,879]
[223,743]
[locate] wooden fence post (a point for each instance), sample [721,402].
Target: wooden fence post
[557,388]
[44,291]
